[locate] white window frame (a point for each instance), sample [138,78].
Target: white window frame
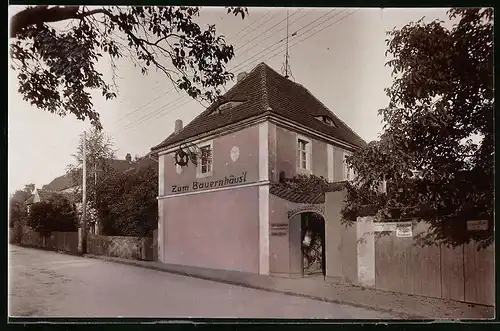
[308,151]
[348,173]
[199,174]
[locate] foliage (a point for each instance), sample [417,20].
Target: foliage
[127,203]
[436,152]
[23,195]
[99,153]
[56,68]
[307,184]
[54,214]
[17,212]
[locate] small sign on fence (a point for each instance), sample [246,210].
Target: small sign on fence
[384,226]
[477,225]
[404,230]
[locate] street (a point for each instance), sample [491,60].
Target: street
[43,283]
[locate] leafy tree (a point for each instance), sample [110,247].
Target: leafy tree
[127,203]
[436,152]
[23,195]
[17,212]
[55,214]
[99,154]
[56,68]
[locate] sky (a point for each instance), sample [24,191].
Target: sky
[338,54]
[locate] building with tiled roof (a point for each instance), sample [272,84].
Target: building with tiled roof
[229,211]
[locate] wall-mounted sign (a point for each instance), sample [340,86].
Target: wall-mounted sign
[280,229]
[235,153]
[308,208]
[227,181]
[404,230]
[279,226]
[384,226]
[477,225]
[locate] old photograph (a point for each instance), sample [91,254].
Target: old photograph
[251,162]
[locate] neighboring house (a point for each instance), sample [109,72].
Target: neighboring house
[218,214]
[40,195]
[64,185]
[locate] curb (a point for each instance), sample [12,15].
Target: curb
[399,314]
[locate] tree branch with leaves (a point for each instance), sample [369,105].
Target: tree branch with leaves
[57,71]
[436,153]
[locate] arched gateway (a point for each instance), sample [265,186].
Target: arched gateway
[297,238]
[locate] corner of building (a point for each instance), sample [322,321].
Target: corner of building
[264,198]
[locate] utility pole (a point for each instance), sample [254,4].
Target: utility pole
[84,197]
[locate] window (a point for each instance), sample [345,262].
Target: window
[226,106]
[204,168]
[327,120]
[348,172]
[303,153]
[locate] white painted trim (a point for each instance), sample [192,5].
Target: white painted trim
[161,237]
[308,168]
[199,174]
[264,151]
[264,230]
[261,183]
[273,118]
[346,170]
[330,161]
[161,175]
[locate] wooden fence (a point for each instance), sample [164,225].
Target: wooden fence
[57,241]
[125,247]
[463,273]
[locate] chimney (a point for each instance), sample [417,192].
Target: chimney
[241,76]
[128,158]
[178,126]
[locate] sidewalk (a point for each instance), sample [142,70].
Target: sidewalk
[402,306]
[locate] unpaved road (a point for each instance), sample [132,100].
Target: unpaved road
[43,283]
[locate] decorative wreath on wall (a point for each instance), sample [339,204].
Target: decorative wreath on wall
[186,153]
[181,158]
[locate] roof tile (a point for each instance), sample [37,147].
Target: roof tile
[264,90]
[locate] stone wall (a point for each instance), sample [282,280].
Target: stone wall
[135,248]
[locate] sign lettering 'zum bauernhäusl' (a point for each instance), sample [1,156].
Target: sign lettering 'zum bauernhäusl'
[227,181]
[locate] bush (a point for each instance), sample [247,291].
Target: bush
[17,212]
[127,205]
[55,214]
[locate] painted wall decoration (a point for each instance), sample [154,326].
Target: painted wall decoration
[309,208]
[227,181]
[235,153]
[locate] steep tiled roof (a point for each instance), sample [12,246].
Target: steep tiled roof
[64,182]
[262,91]
[58,184]
[46,195]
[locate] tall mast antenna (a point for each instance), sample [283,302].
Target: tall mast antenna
[286,70]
